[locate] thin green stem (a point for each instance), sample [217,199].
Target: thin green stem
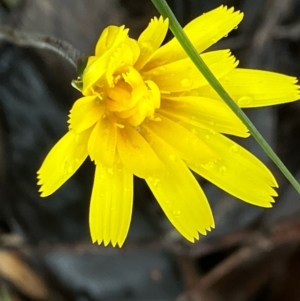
[186,44]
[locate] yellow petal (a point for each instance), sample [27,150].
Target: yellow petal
[94,70]
[99,69]
[183,75]
[111,37]
[85,113]
[150,39]
[203,112]
[111,204]
[179,194]
[238,172]
[62,161]
[136,153]
[203,32]
[256,88]
[110,42]
[125,54]
[188,146]
[102,142]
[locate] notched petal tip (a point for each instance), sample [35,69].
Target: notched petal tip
[231,10]
[213,25]
[99,242]
[159,19]
[111,243]
[151,39]
[257,88]
[200,232]
[106,243]
[119,244]
[191,217]
[212,226]
[43,194]
[111,204]
[268,204]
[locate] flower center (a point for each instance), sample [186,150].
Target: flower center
[131,98]
[120,87]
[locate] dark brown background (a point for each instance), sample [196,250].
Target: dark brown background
[45,250]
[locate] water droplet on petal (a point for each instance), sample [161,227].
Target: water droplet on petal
[69,170]
[177,213]
[223,170]
[234,148]
[226,35]
[194,131]
[110,171]
[235,28]
[186,82]
[155,182]
[209,165]
[244,100]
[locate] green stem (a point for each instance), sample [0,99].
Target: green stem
[186,44]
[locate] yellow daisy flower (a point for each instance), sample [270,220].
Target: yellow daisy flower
[147,111]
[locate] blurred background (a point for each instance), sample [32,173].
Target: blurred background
[45,249]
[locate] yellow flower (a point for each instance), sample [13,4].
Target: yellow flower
[147,111]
